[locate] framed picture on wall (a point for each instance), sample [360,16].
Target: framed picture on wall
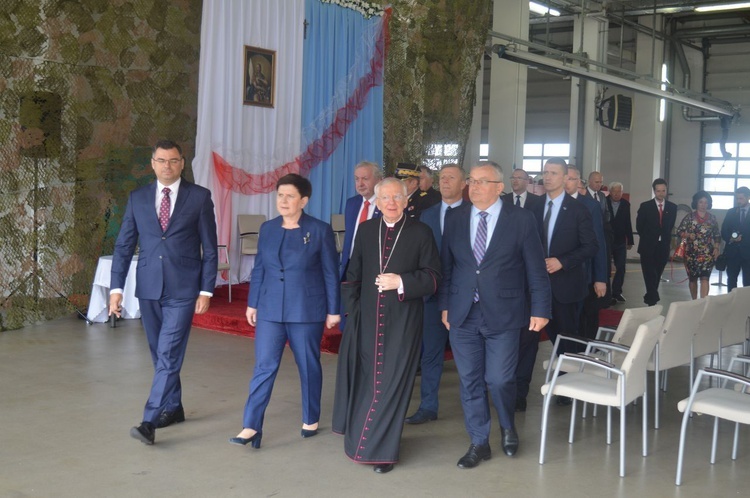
[259,77]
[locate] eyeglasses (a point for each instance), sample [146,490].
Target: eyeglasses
[172,162]
[389,198]
[481,183]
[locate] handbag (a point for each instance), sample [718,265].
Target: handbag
[721,262]
[680,251]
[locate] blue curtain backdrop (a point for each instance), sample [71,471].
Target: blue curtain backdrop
[338,44]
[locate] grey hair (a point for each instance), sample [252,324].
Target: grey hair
[388,181]
[498,169]
[374,167]
[616,185]
[454,166]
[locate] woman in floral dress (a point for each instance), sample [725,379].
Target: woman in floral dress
[700,232]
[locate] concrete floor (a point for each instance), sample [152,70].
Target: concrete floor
[70,393]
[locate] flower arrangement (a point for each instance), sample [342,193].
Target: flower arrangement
[367,9]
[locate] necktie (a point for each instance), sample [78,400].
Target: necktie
[480,243]
[164,209]
[546,226]
[661,214]
[518,200]
[742,216]
[365,212]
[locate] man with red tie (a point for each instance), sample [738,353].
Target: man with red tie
[361,207]
[654,224]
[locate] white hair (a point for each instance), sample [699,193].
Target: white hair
[390,181]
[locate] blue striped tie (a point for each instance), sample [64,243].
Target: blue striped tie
[480,245]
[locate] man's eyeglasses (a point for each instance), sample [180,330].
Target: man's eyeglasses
[172,162]
[389,198]
[481,183]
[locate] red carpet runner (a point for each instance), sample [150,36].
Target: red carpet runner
[228,317]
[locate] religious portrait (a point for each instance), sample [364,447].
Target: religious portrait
[259,77]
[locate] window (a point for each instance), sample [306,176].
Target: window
[721,177]
[535,155]
[440,154]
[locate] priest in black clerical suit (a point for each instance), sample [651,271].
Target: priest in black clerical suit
[394,264]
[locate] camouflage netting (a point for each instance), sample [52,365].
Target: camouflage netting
[430,80]
[85,88]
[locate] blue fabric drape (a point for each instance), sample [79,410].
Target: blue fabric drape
[337,40]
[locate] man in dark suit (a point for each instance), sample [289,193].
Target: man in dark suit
[172,221]
[429,196]
[519,195]
[360,207]
[654,223]
[622,236]
[567,233]
[435,335]
[736,233]
[494,283]
[408,173]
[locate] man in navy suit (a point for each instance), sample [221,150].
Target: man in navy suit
[654,223]
[567,233]
[494,283]
[172,221]
[736,233]
[519,194]
[622,236]
[360,207]
[434,333]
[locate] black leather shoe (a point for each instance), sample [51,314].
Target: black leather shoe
[521,404]
[254,440]
[420,417]
[145,433]
[168,418]
[309,433]
[509,441]
[383,468]
[474,456]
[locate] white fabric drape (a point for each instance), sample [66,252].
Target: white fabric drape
[255,139]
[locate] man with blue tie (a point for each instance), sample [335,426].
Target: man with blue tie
[360,207]
[172,221]
[736,233]
[567,232]
[435,335]
[494,282]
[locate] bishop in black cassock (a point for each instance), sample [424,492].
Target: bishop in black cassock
[394,264]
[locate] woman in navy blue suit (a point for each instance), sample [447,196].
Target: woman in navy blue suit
[294,292]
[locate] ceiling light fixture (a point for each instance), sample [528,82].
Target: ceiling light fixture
[725,6]
[540,9]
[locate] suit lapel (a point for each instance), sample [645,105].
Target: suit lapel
[150,207]
[499,227]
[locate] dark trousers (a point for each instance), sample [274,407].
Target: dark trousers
[434,340]
[619,255]
[589,324]
[304,341]
[528,346]
[167,324]
[652,266]
[486,361]
[735,264]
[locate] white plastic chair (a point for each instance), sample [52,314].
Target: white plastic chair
[627,383]
[225,265]
[736,328]
[719,402]
[707,338]
[339,230]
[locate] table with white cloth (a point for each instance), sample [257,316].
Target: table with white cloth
[99,302]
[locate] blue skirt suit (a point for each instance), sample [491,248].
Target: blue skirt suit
[293,285]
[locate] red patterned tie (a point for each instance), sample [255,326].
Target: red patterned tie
[661,214]
[364,213]
[164,209]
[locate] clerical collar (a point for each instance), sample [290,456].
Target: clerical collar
[574,195]
[391,225]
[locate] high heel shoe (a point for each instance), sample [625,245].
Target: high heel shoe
[309,432]
[254,440]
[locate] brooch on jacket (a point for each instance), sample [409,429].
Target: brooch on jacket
[306,238]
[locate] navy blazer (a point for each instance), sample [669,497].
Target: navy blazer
[305,289]
[573,243]
[532,200]
[649,230]
[169,261]
[732,224]
[598,264]
[512,277]
[351,210]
